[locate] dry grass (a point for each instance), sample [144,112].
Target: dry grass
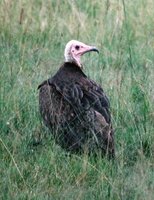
[32,38]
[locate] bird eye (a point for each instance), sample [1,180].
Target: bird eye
[77,47]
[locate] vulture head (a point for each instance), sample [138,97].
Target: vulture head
[75,49]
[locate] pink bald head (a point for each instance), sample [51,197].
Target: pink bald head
[75,49]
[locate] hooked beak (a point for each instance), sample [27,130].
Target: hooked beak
[94,49]
[87,49]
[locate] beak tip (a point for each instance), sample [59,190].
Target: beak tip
[95,49]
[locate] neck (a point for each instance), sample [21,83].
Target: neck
[76,61]
[72,67]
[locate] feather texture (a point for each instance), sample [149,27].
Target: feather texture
[76,110]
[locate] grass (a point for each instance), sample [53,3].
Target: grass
[33,35]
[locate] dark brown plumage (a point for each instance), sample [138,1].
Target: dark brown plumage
[76,110]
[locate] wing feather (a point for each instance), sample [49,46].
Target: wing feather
[84,94]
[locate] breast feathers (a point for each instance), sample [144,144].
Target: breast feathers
[76,110]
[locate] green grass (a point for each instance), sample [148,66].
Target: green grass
[33,35]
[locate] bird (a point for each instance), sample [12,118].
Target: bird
[75,108]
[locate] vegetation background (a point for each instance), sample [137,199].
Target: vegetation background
[33,34]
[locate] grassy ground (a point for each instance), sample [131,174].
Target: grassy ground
[33,35]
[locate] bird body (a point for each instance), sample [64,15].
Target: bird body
[76,110]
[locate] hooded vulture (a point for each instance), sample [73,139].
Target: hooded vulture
[75,108]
